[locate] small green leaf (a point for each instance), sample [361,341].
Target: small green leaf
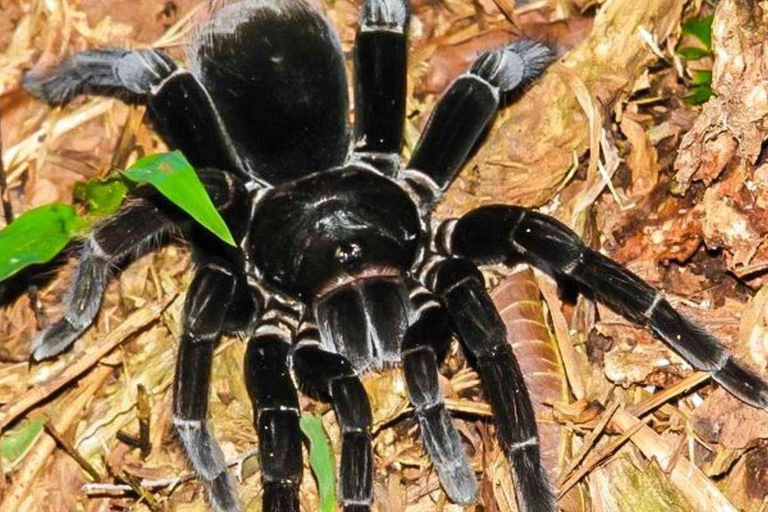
[699,94]
[103,197]
[701,78]
[173,176]
[700,28]
[17,441]
[37,236]
[321,460]
[692,53]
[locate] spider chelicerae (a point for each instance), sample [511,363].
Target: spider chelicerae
[338,268]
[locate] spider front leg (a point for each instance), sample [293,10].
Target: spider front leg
[276,416]
[424,345]
[208,301]
[500,232]
[381,50]
[482,332]
[179,107]
[129,232]
[331,377]
[465,110]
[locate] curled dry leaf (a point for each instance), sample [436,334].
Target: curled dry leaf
[735,122]
[521,308]
[643,157]
[531,150]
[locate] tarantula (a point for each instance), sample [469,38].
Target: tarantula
[338,269]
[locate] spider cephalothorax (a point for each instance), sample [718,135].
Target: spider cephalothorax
[338,269]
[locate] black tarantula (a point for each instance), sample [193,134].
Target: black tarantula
[338,270]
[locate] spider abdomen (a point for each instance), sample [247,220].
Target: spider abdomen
[330,227]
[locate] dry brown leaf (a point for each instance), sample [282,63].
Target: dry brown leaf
[643,158]
[522,309]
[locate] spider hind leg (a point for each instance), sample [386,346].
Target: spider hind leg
[381,53]
[482,332]
[498,232]
[178,106]
[129,75]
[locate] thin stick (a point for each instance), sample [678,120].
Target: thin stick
[562,333]
[662,397]
[158,483]
[656,400]
[692,483]
[7,210]
[87,360]
[75,401]
[589,441]
[144,494]
[598,456]
[71,451]
[142,441]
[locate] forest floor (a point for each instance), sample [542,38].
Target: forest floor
[617,140]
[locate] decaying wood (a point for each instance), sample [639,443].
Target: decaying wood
[735,121]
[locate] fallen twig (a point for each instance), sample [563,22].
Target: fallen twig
[589,441]
[89,358]
[71,451]
[35,459]
[692,483]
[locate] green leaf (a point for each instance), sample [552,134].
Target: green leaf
[701,78]
[102,197]
[700,28]
[321,460]
[173,176]
[17,441]
[692,53]
[37,236]
[699,94]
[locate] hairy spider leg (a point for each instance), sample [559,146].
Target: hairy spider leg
[423,348]
[502,232]
[208,300]
[381,60]
[331,377]
[465,110]
[179,107]
[276,414]
[482,332]
[127,234]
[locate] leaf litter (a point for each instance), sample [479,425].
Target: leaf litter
[605,141]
